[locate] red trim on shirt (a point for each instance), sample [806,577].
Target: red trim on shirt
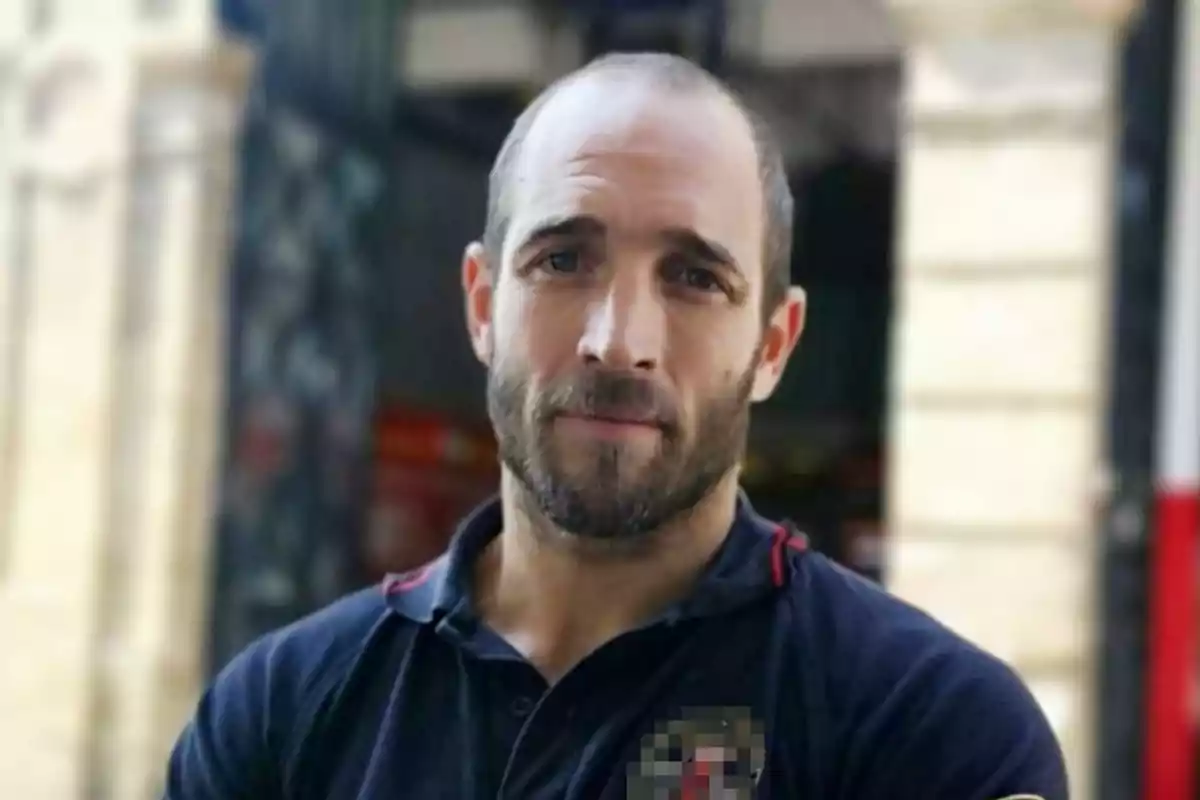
[781,538]
[395,584]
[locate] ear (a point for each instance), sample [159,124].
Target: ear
[779,340]
[477,294]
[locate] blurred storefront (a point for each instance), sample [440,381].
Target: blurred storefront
[976,352]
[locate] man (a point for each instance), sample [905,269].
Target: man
[619,623]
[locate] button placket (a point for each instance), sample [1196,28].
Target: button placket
[521,706]
[545,749]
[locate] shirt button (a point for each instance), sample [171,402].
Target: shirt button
[521,706]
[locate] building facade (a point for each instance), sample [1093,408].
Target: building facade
[117,153]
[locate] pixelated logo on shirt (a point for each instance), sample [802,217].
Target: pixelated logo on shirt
[706,754]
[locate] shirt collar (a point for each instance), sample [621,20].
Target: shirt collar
[751,563]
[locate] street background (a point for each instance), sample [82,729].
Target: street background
[235,383]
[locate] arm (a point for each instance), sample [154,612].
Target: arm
[957,726]
[226,752]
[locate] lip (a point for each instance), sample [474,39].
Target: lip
[609,427]
[614,419]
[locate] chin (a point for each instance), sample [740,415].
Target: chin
[612,515]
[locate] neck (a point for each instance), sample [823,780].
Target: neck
[556,598]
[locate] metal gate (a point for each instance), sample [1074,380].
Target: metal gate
[300,386]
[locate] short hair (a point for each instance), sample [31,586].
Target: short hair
[673,73]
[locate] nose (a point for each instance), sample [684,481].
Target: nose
[625,328]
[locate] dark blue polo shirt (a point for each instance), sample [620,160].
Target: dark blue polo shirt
[782,677]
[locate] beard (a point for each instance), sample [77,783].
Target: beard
[605,491]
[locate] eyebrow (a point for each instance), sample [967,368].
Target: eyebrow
[584,226]
[578,226]
[696,246]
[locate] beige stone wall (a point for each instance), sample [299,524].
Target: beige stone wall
[1000,337]
[62,400]
[114,186]
[156,617]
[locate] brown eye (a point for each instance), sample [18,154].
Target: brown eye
[691,276]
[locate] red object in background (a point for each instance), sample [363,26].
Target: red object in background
[429,472]
[1170,733]
[264,446]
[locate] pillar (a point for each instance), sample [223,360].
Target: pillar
[1000,333]
[65,211]
[117,134]
[156,574]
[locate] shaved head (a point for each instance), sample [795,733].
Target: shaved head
[674,75]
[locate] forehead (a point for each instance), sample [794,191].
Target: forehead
[641,158]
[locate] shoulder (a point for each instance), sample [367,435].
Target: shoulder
[916,703]
[267,699]
[317,647]
[293,669]
[861,624]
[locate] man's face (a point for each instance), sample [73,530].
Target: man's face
[623,324]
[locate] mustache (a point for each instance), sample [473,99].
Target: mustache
[611,395]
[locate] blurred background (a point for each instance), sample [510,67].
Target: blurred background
[235,382]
